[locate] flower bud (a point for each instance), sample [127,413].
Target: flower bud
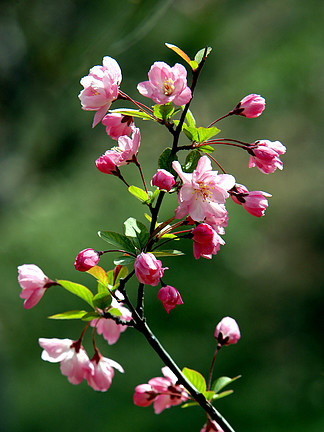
[227,331]
[86,259]
[117,125]
[250,106]
[254,202]
[33,283]
[108,162]
[148,269]
[163,180]
[170,297]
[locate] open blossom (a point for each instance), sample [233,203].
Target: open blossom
[202,191]
[164,392]
[250,106]
[218,221]
[148,269]
[108,327]
[99,376]
[86,259]
[227,331]
[33,283]
[117,125]
[266,156]
[72,356]
[254,202]
[170,297]
[166,84]
[163,180]
[206,241]
[101,88]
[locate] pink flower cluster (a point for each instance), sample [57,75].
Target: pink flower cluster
[166,84]
[266,156]
[163,392]
[75,363]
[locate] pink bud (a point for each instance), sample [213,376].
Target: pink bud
[227,331]
[206,241]
[117,125]
[148,269]
[266,156]
[108,162]
[254,202]
[33,283]
[163,180]
[250,106]
[86,259]
[170,297]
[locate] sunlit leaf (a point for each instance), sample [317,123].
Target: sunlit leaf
[191,161]
[167,253]
[179,51]
[138,193]
[120,241]
[132,113]
[163,112]
[74,314]
[195,378]
[137,231]
[222,382]
[102,300]
[77,289]
[200,54]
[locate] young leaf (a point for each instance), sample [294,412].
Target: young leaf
[209,395]
[163,112]
[102,300]
[100,274]
[206,149]
[190,119]
[167,253]
[90,316]
[74,314]
[121,275]
[196,379]
[118,240]
[165,160]
[132,113]
[77,289]
[137,231]
[191,161]
[189,404]
[222,382]
[200,134]
[138,193]
[179,51]
[200,54]
[115,312]
[223,394]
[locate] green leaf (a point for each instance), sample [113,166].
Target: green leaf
[138,193]
[110,275]
[200,54]
[190,119]
[121,275]
[193,64]
[191,161]
[74,314]
[222,382]
[165,160]
[163,112]
[200,134]
[206,149]
[196,379]
[137,231]
[124,260]
[90,316]
[77,289]
[115,312]
[223,394]
[167,253]
[189,404]
[100,274]
[132,113]
[118,240]
[153,196]
[102,300]
[209,394]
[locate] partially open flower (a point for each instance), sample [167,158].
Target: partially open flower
[117,125]
[33,283]
[254,202]
[170,297]
[101,373]
[266,156]
[148,269]
[206,241]
[250,106]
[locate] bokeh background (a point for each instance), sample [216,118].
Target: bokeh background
[53,201]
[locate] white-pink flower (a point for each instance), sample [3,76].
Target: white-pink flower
[33,283]
[227,331]
[108,327]
[101,373]
[266,156]
[166,84]
[170,297]
[117,125]
[250,106]
[203,191]
[101,88]
[211,426]
[72,356]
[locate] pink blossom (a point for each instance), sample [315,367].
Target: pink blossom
[170,297]
[218,221]
[163,180]
[211,426]
[101,88]
[203,191]
[266,156]
[33,283]
[250,106]
[227,331]
[166,84]
[108,327]
[254,202]
[72,356]
[128,147]
[117,125]
[148,269]
[101,373]
[206,241]
[86,259]
[164,392]
[108,162]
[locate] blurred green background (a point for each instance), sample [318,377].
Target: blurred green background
[53,200]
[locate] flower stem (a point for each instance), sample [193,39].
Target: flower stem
[212,367]
[140,170]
